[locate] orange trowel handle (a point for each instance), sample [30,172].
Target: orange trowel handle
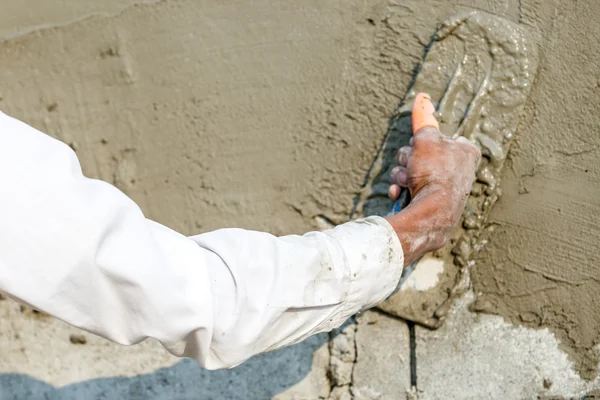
[422,113]
[422,116]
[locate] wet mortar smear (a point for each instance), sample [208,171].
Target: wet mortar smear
[479,70]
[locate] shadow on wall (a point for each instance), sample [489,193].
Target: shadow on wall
[261,378]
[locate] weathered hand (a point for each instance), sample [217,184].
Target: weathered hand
[439,173]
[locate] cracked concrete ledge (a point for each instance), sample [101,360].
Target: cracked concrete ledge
[383,358]
[342,350]
[473,356]
[370,359]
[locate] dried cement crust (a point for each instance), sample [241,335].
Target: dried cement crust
[479,70]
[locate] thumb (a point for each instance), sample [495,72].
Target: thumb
[422,113]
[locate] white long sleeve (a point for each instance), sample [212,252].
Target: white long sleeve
[81,250]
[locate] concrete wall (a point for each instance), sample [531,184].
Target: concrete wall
[267,115]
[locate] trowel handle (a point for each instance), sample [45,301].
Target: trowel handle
[422,115]
[399,205]
[401,202]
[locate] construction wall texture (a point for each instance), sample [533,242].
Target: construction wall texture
[267,115]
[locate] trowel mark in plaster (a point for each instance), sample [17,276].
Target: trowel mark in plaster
[479,70]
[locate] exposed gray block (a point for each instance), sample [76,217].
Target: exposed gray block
[382,369]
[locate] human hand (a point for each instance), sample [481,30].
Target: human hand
[439,173]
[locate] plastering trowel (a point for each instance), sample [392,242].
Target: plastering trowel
[478,70]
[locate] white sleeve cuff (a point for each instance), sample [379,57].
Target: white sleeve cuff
[375,257]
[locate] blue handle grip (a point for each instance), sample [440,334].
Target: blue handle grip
[398,206]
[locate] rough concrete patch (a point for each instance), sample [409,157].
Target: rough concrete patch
[340,393]
[593,395]
[342,347]
[382,368]
[476,356]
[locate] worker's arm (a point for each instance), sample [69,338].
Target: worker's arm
[81,250]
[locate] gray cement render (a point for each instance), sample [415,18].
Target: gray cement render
[471,357]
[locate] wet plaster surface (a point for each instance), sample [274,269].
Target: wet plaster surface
[267,116]
[17,20]
[204,88]
[478,69]
[541,267]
